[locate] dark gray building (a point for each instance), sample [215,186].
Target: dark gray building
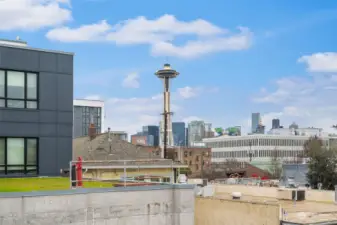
[275,123]
[36,110]
[153,131]
[179,136]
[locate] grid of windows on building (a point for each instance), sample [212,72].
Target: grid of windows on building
[258,142]
[18,89]
[18,156]
[259,153]
[87,113]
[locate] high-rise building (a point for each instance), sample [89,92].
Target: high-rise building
[255,121]
[275,123]
[153,131]
[208,130]
[86,112]
[196,132]
[178,129]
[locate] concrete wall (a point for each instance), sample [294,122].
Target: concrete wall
[52,122]
[270,192]
[151,205]
[212,211]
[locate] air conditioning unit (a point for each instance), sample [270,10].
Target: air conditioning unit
[291,194]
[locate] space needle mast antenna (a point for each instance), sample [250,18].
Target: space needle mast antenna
[166,74]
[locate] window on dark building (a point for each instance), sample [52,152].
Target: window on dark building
[18,89]
[18,156]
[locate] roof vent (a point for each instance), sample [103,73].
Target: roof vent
[236,195]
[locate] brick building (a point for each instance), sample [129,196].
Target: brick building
[197,159]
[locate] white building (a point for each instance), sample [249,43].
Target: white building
[261,147]
[310,131]
[86,112]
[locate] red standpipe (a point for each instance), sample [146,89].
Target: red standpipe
[79,176]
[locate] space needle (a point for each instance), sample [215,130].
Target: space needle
[166,74]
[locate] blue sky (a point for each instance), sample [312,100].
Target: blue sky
[235,57]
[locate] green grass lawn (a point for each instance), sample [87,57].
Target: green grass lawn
[43,184]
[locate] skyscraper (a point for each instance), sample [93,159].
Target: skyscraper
[275,123]
[208,130]
[196,132]
[255,121]
[178,129]
[152,130]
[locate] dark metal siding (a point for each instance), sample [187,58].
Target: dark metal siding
[52,123]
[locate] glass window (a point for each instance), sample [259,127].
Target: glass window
[15,104]
[2,152]
[31,85]
[2,102]
[31,151]
[15,151]
[15,85]
[2,83]
[31,105]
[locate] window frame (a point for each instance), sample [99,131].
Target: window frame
[25,165]
[25,99]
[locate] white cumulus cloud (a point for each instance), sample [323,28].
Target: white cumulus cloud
[320,62]
[309,101]
[131,81]
[130,114]
[33,14]
[160,34]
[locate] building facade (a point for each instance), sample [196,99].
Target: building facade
[36,110]
[85,113]
[154,131]
[145,140]
[197,159]
[256,118]
[196,132]
[179,136]
[260,149]
[275,123]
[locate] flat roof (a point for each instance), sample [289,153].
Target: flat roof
[10,44]
[88,102]
[303,212]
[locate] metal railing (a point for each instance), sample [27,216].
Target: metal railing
[126,172]
[248,182]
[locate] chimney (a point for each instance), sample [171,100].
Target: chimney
[92,129]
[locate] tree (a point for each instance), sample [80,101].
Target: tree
[322,164]
[275,169]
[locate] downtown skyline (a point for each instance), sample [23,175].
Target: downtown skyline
[233,61]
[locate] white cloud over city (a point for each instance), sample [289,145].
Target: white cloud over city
[309,99]
[160,34]
[130,114]
[33,14]
[131,81]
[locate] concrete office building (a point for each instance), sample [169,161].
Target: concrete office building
[86,112]
[36,110]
